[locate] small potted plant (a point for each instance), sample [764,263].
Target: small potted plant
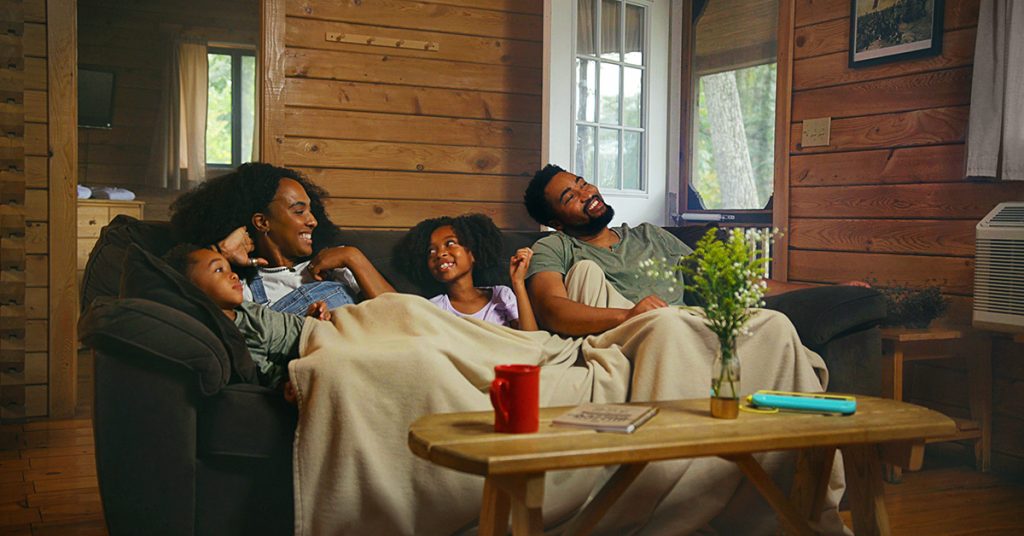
[913,308]
[726,276]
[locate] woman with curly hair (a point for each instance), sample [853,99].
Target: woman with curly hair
[450,251]
[294,260]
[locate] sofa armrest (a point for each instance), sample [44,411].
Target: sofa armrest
[151,331]
[822,314]
[247,421]
[144,422]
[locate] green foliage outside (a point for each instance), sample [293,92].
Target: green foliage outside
[756,87]
[218,110]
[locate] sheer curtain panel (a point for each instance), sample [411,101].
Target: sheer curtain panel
[995,142]
[193,90]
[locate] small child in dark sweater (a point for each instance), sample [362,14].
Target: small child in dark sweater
[271,336]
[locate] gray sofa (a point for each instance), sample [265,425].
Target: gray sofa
[187,443]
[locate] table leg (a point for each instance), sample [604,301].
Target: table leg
[865,490]
[892,370]
[586,520]
[792,521]
[980,373]
[494,510]
[892,387]
[810,483]
[526,495]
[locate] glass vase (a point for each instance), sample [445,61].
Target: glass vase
[725,381]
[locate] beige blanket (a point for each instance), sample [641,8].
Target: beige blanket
[380,365]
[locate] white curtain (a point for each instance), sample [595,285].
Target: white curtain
[179,144]
[258,104]
[193,72]
[995,142]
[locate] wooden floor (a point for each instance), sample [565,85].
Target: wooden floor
[48,485]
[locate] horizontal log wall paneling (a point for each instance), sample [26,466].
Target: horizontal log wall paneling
[16,298]
[399,134]
[132,39]
[887,200]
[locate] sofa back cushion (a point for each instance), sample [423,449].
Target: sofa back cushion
[102,276]
[150,278]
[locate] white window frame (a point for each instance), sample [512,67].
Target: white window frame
[644,128]
[660,168]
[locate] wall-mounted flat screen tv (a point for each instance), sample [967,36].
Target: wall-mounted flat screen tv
[95,97]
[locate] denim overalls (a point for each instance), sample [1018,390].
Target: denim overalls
[335,294]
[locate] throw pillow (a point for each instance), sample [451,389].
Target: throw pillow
[148,277]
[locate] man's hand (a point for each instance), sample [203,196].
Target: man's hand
[649,303]
[236,248]
[319,311]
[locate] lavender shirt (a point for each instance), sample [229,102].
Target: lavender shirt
[502,309]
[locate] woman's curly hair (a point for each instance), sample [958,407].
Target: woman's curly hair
[218,206]
[476,232]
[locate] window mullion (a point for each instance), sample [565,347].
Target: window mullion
[236,108]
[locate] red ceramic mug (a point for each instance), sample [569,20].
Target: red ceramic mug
[515,395]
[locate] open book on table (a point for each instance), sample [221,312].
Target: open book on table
[607,417]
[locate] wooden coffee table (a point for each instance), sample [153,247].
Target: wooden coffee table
[513,466]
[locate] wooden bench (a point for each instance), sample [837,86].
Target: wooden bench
[513,466]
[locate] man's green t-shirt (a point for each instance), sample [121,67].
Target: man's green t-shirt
[558,252]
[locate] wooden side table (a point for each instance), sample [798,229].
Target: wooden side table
[901,345]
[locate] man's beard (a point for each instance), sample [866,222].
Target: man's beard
[593,226]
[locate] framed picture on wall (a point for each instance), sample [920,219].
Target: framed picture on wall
[890,30]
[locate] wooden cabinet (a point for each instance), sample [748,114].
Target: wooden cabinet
[93,215]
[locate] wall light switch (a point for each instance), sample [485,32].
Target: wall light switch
[816,132]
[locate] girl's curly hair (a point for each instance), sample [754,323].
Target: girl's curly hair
[476,232]
[209,212]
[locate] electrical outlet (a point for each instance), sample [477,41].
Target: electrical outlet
[816,132]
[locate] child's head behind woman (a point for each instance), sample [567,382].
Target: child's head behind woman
[442,250]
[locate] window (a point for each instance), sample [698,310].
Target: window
[231,104]
[610,81]
[731,135]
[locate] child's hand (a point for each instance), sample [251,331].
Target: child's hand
[319,311]
[518,264]
[290,395]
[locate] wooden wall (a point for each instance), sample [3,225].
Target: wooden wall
[397,135]
[23,243]
[887,200]
[131,38]
[37,287]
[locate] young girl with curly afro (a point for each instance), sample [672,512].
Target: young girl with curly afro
[450,251]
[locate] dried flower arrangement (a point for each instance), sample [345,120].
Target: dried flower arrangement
[913,307]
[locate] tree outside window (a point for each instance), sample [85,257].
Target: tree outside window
[731,98]
[231,105]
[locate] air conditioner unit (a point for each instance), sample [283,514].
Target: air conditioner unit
[999,269]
